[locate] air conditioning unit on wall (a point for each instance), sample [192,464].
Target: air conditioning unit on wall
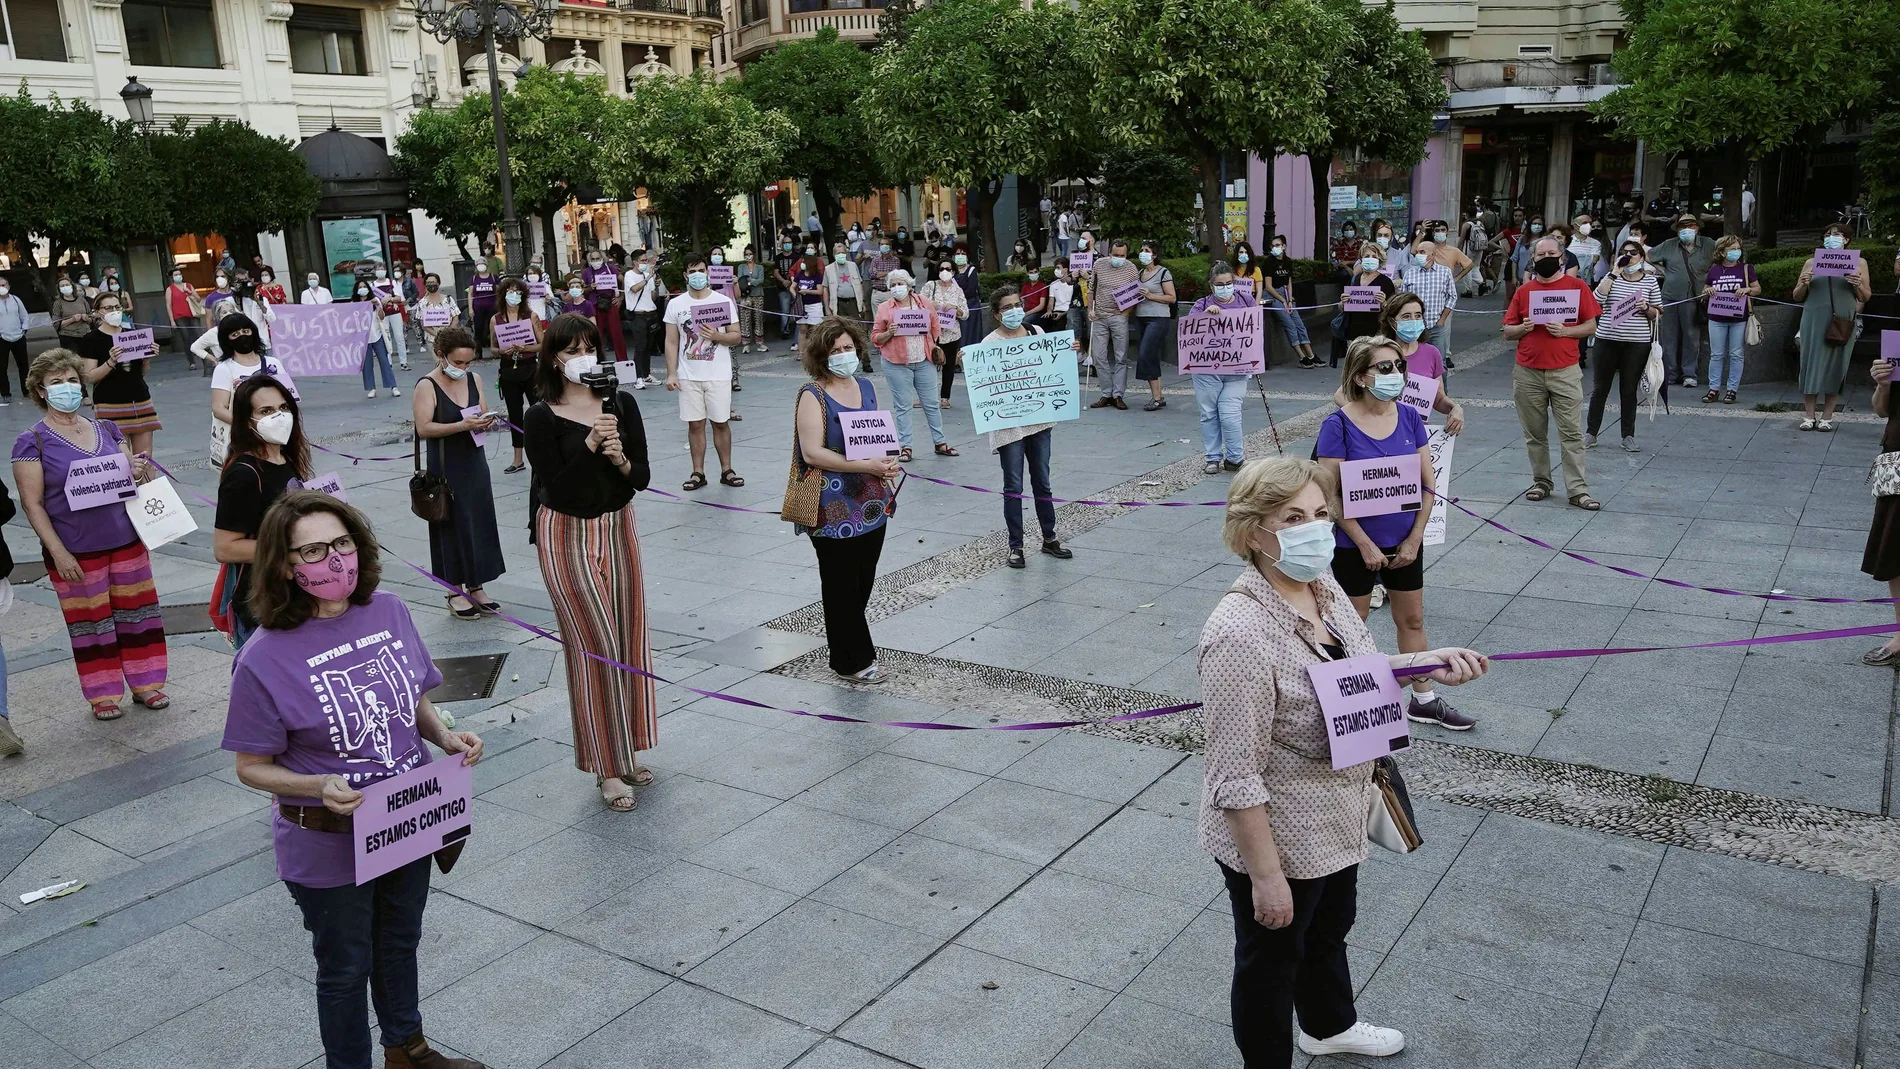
[1602,74]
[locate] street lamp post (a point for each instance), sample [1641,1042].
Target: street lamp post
[138,103]
[485,20]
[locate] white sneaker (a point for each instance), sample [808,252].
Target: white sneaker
[394,392]
[651,381]
[1361,1038]
[639,384]
[370,394]
[6,402]
[873,674]
[1688,380]
[1378,596]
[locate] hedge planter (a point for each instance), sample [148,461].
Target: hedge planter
[1777,358]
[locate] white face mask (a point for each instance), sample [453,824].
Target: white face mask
[65,289]
[112,318]
[900,291]
[579,366]
[843,362]
[380,273]
[276,427]
[1584,229]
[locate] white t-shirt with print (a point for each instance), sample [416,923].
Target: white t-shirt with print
[699,358]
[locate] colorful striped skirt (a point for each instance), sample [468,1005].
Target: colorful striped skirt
[113,621]
[592,569]
[135,417]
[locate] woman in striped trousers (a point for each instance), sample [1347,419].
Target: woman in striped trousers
[589,459]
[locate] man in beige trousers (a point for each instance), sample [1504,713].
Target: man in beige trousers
[1546,317]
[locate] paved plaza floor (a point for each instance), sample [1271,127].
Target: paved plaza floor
[1675,859]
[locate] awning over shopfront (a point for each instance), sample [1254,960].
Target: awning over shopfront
[1526,99]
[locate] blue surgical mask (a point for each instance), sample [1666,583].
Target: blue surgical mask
[1410,330]
[1242,257]
[1388,387]
[884,248]
[1384,240]
[1306,551]
[1146,257]
[843,363]
[1686,234]
[1421,259]
[1118,261]
[1012,318]
[1834,241]
[454,373]
[1537,228]
[65,396]
[514,298]
[1368,263]
[697,280]
[1224,292]
[1733,256]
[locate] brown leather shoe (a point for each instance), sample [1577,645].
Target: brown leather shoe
[417,1054]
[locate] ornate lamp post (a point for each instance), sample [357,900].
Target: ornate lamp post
[138,103]
[485,20]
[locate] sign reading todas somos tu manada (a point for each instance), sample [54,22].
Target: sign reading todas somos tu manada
[1016,382]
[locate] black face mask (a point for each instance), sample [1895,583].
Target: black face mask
[1548,266]
[245,344]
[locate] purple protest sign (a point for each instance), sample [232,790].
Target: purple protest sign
[1243,285]
[1626,308]
[100,480]
[714,314]
[331,484]
[908,322]
[1890,352]
[1554,305]
[135,344]
[720,275]
[1362,298]
[1421,393]
[869,435]
[480,438]
[1724,303]
[946,319]
[514,333]
[321,339]
[1081,261]
[1126,297]
[1363,707]
[539,291]
[1226,342]
[411,816]
[1380,486]
[1835,262]
[436,315]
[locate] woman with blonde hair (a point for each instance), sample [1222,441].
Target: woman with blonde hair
[1287,828]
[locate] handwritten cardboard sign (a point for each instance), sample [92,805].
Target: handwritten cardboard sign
[1243,285]
[1081,261]
[322,339]
[1016,382]
[514,333]
[1421,393]
[1835,262]
[1380,486]
[605,282]
[1440,444]
[1553,305]
[1225,342]
[1363,706]
[1126,297]
[100,480]
[411,815]
[1362,298]
[714,314]
[908,322]
[436,315]
[539,291]
[869,435]
[136,344]
[1625,308]
[1723,303]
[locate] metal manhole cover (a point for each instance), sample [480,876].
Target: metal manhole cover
[27,571]
[467,679]
[187,619]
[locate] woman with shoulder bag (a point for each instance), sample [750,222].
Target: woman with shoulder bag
[464,546]
[1288,829]
[1623,348]
[1882,557]
[1829,306]
[842,504]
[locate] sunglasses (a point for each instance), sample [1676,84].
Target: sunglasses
[1387,367]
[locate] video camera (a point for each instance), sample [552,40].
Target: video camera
[604,381]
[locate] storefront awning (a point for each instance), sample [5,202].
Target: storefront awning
[1527,99]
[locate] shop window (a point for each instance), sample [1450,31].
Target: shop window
[33,30]
[326,40]
[751,11]
[170,33]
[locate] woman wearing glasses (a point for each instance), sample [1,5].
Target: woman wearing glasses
[1386,548]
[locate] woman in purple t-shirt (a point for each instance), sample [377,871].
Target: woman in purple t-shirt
[1385,547]
[99,568]
[326,698]
[1728,332]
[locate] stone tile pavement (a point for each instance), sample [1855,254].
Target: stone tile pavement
[796,892]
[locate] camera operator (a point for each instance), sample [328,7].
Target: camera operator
[588,450]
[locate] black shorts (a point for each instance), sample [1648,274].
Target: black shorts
[1349,567]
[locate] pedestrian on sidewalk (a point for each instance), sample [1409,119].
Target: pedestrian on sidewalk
[236,344]
[1221,398]
[1728,333]
[1403,320]
[13,324]
[1683,266]
[182,303]
[268,452]
[910,364]
[117,377]
[1437,287]
[94,559]
[10,743]
[1288,829]
[748,281]
[1623,348]
[588,448]
[699,369]
[390,308]
[315,594]
[1108,323]
[1829,306]
[1882,556]
[1019,447]
[1152,322]
[843,504]
[952,310]
[515,376]
[480,297]
[1547,382]
[844,287]
[454,415]
[376,353]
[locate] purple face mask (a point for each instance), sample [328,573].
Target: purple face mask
[331,579]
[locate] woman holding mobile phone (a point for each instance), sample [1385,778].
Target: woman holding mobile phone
[454,416]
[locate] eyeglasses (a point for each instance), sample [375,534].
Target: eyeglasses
[1387,367]
[317,551]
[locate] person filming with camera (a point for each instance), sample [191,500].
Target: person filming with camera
[588,450]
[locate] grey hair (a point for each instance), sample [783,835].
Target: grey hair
[1216,269]
[899,275]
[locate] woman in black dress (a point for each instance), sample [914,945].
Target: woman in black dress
[119,392]
[1368,270]
[1882,559]
[516,374]
[464,549]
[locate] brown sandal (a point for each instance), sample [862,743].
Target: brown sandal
[944,449]
[731,478]
[695,481]
[1587,503]
[1537,493]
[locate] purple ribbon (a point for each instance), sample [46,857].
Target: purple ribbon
[1069,500]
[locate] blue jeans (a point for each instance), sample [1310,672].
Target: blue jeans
[912,386]
[1290,322]
[1035,449]
[1438,334]
[784,313]
[1062,246]
[1220,398]
[377,353]
[1725,347]
[359,934]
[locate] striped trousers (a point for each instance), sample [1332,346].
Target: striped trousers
[592,570]
[113,621]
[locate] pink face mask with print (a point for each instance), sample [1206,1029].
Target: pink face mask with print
[331,579]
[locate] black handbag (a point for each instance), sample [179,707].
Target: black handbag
[429,495]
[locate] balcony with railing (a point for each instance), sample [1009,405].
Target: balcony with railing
[698,9]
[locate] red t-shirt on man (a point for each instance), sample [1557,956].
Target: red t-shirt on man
[1538,349]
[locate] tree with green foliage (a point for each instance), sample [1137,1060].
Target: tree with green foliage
[1879,156]
[1212,77]
[819,85]
[1378,103]
[693,143]
[974,93]
[890,22]
[276,191]
[1738,82]
[431,157]
[1150,195]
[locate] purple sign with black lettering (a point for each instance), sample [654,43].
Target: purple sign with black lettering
[1363,707]
[411,816]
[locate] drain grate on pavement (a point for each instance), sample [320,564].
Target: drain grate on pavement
[187,619]
[467,679]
